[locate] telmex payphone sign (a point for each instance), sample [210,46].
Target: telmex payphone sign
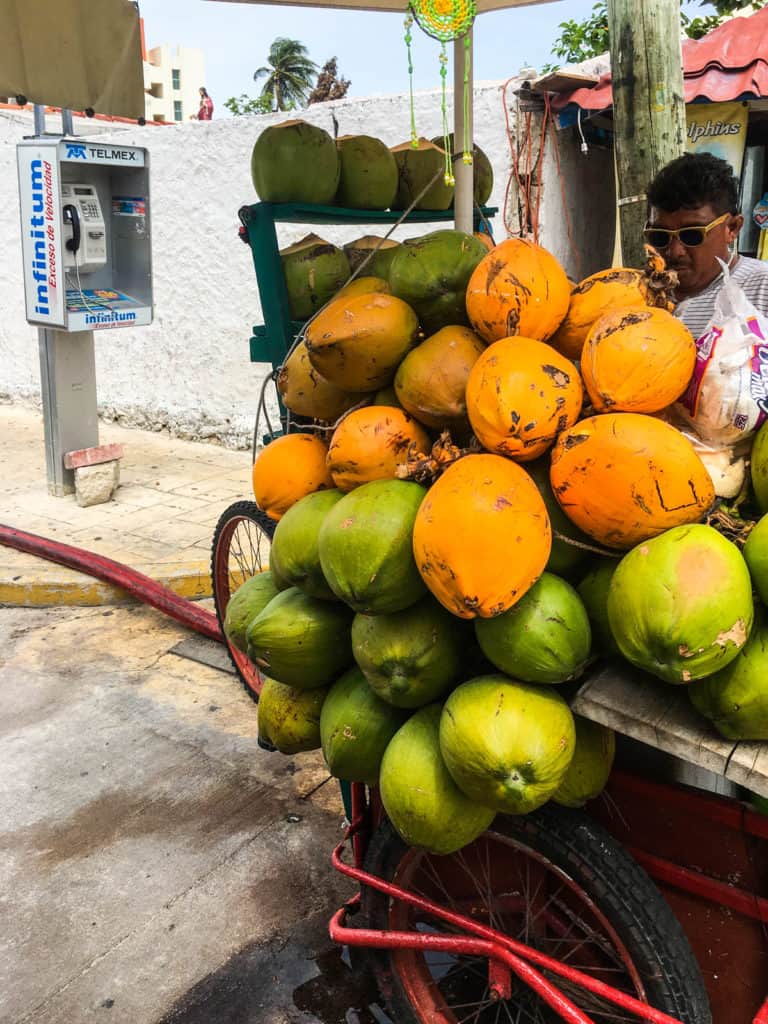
[39,191]
[41,216]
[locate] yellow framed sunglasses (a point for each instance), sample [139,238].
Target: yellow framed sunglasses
[660,238]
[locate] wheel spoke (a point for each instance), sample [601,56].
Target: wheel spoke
[518,892]
[242,536]
[236,552]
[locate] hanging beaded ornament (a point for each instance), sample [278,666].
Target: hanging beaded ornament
[444,20]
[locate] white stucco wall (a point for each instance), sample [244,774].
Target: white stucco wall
[190,371]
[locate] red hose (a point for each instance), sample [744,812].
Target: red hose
[135,583]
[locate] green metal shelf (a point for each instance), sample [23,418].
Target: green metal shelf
[270,342]
[310,213]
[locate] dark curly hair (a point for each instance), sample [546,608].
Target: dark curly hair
[695,179]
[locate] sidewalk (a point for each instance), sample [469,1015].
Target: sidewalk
[160,521]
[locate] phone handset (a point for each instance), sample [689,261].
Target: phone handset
[72,216]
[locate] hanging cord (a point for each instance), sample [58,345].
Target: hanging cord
[408,23]
[356,273]
[261,408]
[521,154]
[482,218]
[447,148]
[467,141]
[526,176]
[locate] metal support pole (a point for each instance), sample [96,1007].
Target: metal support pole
[68,387]
[67,127]
[39,113]
[463,203]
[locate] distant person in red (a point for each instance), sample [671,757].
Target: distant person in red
[205,113]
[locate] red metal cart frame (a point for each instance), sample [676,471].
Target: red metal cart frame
[508,958]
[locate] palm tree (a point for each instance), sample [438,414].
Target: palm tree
[290,74]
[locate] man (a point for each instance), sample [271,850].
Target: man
[693,219]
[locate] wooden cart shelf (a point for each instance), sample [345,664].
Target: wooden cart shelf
[662,716]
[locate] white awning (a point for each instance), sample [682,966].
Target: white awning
[384,5]
[75,54]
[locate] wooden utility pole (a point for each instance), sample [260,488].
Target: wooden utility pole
[648,105]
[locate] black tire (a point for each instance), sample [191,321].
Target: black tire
[247,518]
[616,918]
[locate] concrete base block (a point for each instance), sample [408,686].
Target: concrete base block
[96,484]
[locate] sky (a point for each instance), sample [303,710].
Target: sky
[235,38]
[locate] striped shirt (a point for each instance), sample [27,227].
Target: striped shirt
[752,275]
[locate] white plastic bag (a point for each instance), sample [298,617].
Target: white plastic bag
[727,399]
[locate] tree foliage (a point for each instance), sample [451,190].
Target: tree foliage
[580,40]
[329,85]
[289,74]
[248,104]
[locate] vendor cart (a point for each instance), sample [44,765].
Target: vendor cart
[650,905]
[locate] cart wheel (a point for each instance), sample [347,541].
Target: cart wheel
[554,880]
[241,544]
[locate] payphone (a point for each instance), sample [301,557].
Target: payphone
[85,233]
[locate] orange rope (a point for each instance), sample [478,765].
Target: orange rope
[525,166]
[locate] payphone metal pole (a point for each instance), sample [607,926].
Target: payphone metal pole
[68,390]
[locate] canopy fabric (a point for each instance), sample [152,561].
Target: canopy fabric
[74,54]
[729,63]
[384,5]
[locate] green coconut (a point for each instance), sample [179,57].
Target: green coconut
[431,274]
[417,168]
[366,549]
[482,171]
[300,640]
[279,582]
[355,728]
[735,699]
[289,718]
[680,605]
[590,767]
[245,604]
[294,551]
[381,251]
[756,556]
[758,467]
[314,271]
[409,658]
[564,559]
[295,162]
[506,744]
[368,179]
[544,638]
[422,801]
[593,591]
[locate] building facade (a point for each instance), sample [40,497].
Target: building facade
[172,80]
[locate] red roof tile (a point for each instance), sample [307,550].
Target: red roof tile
[729,63]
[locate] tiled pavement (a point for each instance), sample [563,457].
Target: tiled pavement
[160,521]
